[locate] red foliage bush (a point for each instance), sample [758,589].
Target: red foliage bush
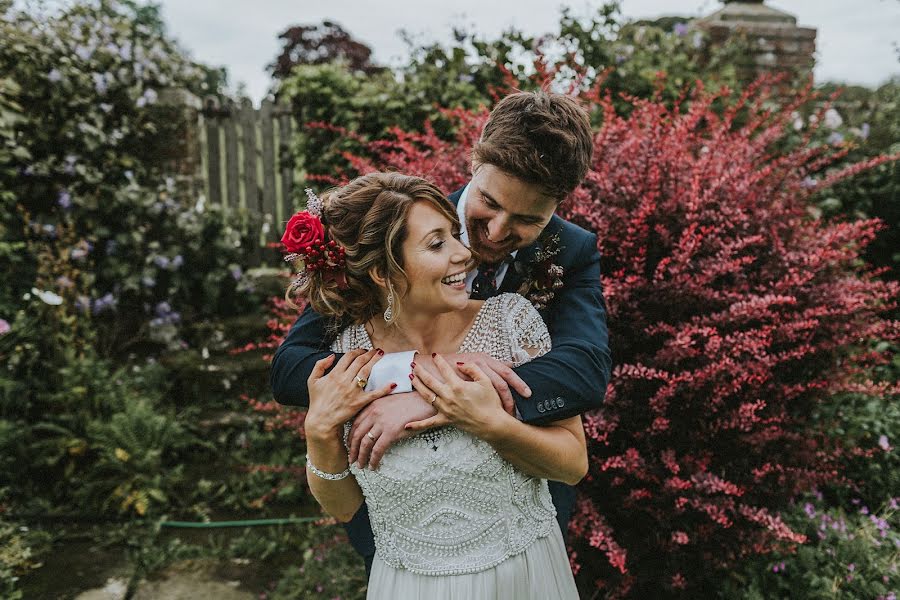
[733,312]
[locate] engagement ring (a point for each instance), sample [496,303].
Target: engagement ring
[361,382]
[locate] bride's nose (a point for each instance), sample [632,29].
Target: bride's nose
[462,254]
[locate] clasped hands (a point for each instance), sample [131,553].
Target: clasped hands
[473,392]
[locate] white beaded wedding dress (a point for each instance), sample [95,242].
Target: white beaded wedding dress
[451,518]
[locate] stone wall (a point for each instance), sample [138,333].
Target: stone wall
[777,43]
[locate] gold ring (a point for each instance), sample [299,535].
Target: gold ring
[433,398]
[361,382]
[370,436]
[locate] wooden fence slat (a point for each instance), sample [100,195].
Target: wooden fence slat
[204,154]
[214,172]
[287,181]
[246,164]
[232,171]
[247,120]
[248,143]
[269,164]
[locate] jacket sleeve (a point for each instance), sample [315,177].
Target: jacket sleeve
[572,378]
[294,360]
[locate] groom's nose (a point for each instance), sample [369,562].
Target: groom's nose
[498,228]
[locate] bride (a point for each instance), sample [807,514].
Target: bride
[463,510]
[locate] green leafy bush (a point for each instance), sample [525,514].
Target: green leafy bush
[97,143]
[850,554]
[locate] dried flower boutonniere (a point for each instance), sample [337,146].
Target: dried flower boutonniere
[541,277]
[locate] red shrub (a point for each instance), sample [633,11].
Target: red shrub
[733,311]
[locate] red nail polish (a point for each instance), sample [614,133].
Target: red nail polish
[460,364]
[433,354]
[411,376]
[380,352]
[413,365]
[393,385]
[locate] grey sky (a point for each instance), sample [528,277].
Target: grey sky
[855,41]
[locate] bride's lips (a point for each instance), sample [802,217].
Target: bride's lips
[457,281]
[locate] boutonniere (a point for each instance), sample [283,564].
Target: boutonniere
[541,277]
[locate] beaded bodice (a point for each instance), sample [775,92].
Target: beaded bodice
[444,502]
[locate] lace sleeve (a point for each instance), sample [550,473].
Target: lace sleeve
[526,331]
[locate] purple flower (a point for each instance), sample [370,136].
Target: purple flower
[698,40]
[100,83]
[163,309]
[147,281]
[236,272]
[64,200]
[851,567]
[4,327]
[69,167]
[884,443]
[680,29]
[148,97]
[111,247]
[64,282]
[177,261]
[865,130]
[104,303]
[810,510]
[893,504]
[864,510]
[54,76]
[50,230]
[161,261]
[83,52]
[836,139]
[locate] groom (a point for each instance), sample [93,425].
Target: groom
[534,150]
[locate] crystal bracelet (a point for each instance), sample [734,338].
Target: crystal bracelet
[329,476]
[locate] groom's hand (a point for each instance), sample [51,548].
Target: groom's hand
[385,419]
[500,373]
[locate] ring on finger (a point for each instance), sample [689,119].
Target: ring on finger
[361,382]
[433,398]
[371,437]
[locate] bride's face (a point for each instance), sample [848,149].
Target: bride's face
[435,262]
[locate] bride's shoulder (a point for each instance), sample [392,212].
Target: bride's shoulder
[510,303]
[351,337]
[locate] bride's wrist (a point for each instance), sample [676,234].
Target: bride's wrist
[323,435]
[494,428]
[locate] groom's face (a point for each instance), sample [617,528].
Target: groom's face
[504,213]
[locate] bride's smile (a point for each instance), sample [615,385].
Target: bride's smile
[435,261]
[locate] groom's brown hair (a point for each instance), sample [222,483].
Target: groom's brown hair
[541,138]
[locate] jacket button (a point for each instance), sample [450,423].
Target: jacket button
[560,402]
[540,407]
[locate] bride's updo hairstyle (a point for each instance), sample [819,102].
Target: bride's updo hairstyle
[367,217]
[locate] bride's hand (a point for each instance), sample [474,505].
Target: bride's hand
[335,398]
[473,406]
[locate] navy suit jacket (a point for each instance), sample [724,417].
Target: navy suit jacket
[567,381]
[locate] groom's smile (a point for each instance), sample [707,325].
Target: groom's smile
[504,213]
